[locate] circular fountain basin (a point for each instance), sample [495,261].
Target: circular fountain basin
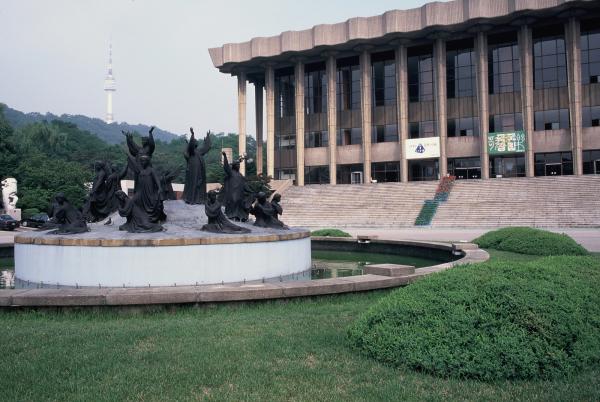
[180,255]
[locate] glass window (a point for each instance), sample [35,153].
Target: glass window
[460,73]
[507,166]
[385,171]
[549,62]
[316,175]
[285,174]
[315,89]
[422,129]
[590,56]
[503,123]
[463,127]
[423,170]
[384,133]
[591,116]
[465,168]
[420,77]
[591,162]
[349,136]
[344,172]
[553,164]
[348,85]
[285,94]
[504,70]
[551,119]
[384,82]
[316,139]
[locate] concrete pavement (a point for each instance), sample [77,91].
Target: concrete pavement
[588,238]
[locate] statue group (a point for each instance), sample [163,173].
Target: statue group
[144,210]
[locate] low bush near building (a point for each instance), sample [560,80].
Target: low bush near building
[497,320]
[330,233]
[531,241]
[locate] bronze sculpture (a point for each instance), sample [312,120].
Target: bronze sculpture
[166,182]
[277,209]
[217,221]
[265,214]
[137,219]
[97,206]
[147,188]
[68,218]
[194,191]
[234,191]
[147,147]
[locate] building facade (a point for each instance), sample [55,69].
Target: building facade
[472,88]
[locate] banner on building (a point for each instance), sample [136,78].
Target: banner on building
[422,148]
[507,143]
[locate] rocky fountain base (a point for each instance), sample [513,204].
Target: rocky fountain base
[180,255]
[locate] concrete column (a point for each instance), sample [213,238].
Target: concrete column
[402,106]
[439,56]
[270,88]
[483,99]
[331,68]
[526,53]
[366,112]
[573,38]
[258,103]
[299,73]
[241,76]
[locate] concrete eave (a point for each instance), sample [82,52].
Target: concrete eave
[427,21]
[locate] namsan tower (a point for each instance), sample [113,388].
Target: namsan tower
[109,88]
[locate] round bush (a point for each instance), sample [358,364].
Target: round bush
[330,233]
[531,241]
[497,320]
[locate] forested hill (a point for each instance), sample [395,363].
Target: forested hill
[110,133]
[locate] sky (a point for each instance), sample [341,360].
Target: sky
[54,54]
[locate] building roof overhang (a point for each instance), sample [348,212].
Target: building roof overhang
[430,21]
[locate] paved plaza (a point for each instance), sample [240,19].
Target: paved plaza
[589,238]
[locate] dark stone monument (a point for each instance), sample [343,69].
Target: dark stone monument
[277,209]
[234,191]
[138,220]
[265,214]
[166,182]
[147,147]
[68,218]
[194,190]
[98,205]
[147,189]
[113,184]
[217,221]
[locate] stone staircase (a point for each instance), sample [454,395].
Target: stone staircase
[565,201]
[375,205]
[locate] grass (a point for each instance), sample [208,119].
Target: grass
[294,350]
[525,240]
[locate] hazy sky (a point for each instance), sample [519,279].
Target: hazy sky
[54,54]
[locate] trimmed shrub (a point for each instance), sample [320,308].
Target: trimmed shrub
[330,233]
[491,321]
[531,241]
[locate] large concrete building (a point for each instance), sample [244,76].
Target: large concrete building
[472,88]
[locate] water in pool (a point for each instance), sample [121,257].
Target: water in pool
[325,264]
[332,264]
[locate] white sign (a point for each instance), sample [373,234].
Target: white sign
[422,148]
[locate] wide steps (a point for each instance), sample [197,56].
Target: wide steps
[566,201]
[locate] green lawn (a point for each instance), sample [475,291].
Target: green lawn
[295,350]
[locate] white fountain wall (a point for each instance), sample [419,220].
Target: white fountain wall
[160,266]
